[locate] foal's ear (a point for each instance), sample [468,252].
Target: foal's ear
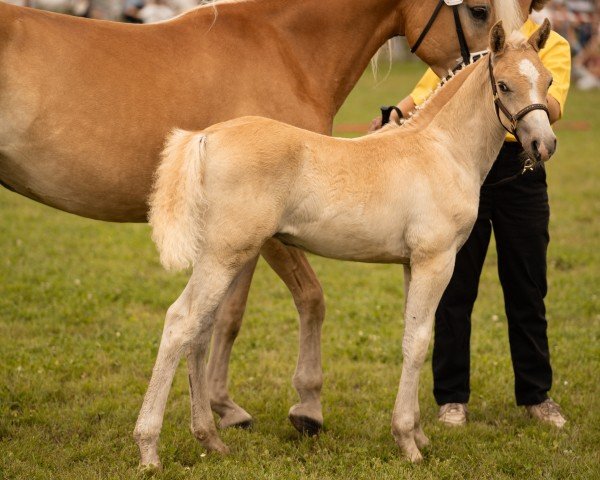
[497,38]
[539,37]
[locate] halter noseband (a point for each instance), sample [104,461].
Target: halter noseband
[513,119]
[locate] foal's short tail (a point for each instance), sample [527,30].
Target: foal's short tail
[177,203]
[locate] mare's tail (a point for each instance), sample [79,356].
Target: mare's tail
[177,203]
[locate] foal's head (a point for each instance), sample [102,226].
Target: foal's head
[522,81]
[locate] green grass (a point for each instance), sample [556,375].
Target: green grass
[81,313]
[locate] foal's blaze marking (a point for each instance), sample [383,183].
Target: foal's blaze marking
[528,69]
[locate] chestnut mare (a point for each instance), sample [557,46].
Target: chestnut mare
[86,106]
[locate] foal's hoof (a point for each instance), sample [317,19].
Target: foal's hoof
[217,446]
[150,469]
[415,456]
[412,453]
[408,447]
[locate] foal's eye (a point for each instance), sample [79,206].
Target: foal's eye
[551,82]
[503,87]
[479,13]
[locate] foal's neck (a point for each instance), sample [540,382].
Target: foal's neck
[464,116]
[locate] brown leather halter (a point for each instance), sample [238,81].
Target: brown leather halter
[513,119]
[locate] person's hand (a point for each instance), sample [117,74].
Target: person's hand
[375,124]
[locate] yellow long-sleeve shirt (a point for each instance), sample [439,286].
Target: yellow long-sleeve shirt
[556,57]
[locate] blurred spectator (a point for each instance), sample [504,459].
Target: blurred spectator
[578,22]
[156,11]
[131,11]
[70,7]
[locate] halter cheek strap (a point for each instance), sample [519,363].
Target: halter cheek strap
[454,4]
[462,41]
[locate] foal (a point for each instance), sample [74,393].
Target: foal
[407,195]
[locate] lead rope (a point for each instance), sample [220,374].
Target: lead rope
[528,166]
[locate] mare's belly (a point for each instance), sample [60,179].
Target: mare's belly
[82,186]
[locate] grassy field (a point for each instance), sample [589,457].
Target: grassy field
[81,314]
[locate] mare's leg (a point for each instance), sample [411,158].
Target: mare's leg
[293,268]
[188,327]
[428,280]
[227,325]
[420,438]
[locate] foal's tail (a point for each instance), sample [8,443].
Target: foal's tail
[177,203]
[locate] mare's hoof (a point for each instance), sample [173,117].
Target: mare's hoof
[221,450]
[243,425]
[238,419]
[306,425]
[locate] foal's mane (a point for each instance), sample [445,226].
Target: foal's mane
[423,114]
[426,112]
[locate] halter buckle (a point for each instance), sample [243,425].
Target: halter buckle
[451,3]
[528,165]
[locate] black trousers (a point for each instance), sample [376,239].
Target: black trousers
[518,213]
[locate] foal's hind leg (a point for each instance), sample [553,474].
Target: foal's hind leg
[227,325]
[293,268]
[188,327]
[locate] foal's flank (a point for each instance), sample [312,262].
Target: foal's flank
[406,195]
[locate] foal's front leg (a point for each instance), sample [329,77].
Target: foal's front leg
[420,438]
[428,279]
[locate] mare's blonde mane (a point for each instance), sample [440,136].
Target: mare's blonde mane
[509,12]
